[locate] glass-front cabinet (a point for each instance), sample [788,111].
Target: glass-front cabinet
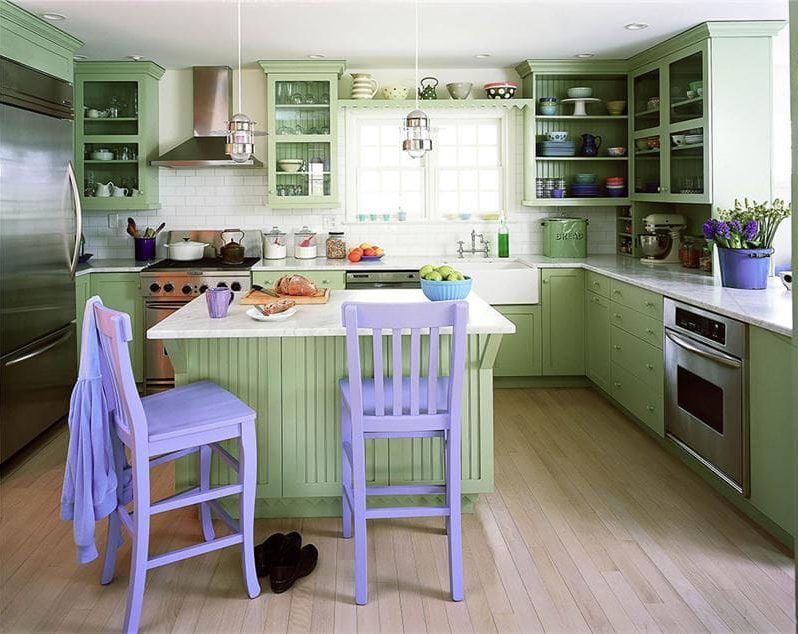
[302,102]
[670,126]
[116,134]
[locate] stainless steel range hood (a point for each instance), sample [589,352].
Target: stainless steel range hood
[213,99]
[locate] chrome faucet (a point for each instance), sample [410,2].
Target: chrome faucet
[484,249]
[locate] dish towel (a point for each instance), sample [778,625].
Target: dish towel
[90,478]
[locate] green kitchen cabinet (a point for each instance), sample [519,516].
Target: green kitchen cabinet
[302,122]
[29,40]
[82,294]
[597,339]
[334,280]
[520,353]
[690,85]
[772,425]
[563,321]
[119,291]
[130,91]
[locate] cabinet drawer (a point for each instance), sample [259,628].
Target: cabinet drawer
[646,328]
[647,302]
[639,398]
[641,359]
[335,280]
[597,284]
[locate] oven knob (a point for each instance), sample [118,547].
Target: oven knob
[186,290]
[154,288]
[168,288]
[221,285]
[235,286]
[203,288]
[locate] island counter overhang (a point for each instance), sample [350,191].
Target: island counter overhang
[288,371]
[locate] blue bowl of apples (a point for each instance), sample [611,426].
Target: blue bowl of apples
[444,283]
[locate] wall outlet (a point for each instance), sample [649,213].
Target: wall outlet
[113,221]
[328,223]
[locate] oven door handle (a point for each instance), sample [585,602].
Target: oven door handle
[718,357]
[164,305]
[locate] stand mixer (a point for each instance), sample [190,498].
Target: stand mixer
[663,238]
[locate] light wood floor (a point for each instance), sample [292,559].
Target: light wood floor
[592,528]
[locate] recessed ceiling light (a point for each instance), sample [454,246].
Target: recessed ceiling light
[636,26]
[315,56]
[482,55]
[136,58]
[55,17]
[585,55]
[79,58]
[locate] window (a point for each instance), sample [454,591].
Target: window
[464,174]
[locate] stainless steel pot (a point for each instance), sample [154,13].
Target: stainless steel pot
[186,250]
[656,245]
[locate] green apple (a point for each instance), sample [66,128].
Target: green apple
[435,276]
[453,277]
[445,270]
[426,270]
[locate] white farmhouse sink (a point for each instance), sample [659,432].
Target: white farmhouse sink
[501,281]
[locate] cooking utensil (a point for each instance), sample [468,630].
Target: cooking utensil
[186,250]
[233,252]
[160,228]
[131,224]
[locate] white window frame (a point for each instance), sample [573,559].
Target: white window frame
[507,153]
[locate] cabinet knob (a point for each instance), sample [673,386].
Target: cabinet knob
[616,315]
[615,291]
[650,331]
[325,281]
[649,366]
[545,281]
[616,384]
[650,408]
[617,347]
[648,304]
[595,283]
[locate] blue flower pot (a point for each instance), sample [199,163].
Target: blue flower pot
[744,268]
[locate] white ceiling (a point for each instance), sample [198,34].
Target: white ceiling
[379,33]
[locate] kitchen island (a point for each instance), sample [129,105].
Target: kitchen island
[288,371]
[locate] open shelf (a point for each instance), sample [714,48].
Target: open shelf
[647,113]
[577,202]
[570,117]
[302,106]
[113,162]
[686,146]
[686,102]
[110,119]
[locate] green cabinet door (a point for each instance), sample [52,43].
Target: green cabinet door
[772,426]
[519,353]
[563,321]
[120,291]
[597,340]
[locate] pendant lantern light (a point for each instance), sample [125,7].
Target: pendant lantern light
[240,128]
[417,141]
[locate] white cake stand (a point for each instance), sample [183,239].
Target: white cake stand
[579,104]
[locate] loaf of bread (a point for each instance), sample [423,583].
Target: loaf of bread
[297,285]
[279,306]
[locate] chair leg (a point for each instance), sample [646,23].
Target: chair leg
[206,520]
[141,544]
[248,469]
[454,524]
[346,474]
[112,543]
[361,536]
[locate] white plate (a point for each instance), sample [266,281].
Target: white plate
[259,316]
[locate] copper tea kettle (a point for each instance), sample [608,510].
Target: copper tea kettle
[233,252]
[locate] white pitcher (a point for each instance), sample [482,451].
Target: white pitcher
[119,192]
[364,86]
[104,189]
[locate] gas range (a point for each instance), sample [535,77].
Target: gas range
[180,281]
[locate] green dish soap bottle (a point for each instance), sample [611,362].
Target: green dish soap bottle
[504,239]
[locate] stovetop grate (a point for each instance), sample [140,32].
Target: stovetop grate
[205,265]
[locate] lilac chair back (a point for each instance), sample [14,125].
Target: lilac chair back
[115,331]
[411,320]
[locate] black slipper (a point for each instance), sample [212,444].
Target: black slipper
[294,564]
[267,553]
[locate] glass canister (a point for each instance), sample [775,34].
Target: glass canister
[336,245]
[274,244]
[305,244]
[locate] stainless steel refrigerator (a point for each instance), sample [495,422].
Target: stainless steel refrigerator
[40,226]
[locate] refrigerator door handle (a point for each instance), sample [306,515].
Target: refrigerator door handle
[73,181]
[48,346]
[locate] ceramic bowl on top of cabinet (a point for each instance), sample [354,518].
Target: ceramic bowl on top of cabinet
[302,122]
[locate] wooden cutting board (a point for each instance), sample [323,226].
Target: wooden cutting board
[259,297]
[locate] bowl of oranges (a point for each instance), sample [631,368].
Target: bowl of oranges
[365,252]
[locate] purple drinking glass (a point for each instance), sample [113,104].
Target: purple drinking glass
[219,300]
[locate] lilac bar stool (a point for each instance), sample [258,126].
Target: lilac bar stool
[160,428]
[417,407]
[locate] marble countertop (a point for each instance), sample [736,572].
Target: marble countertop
[311,320]
[121,265]
[770,308]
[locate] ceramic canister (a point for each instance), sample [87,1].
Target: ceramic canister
[364,86]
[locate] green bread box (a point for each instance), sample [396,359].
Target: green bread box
[565,237]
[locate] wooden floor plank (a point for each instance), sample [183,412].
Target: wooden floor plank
[592,527]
